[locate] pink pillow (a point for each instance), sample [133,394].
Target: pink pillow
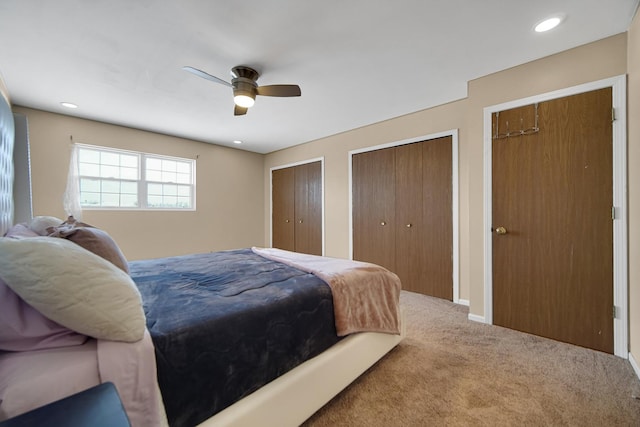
[92,239]
[20,231]
[23,328]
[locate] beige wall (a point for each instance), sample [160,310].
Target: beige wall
[229,196]
[602,59]
[633,70]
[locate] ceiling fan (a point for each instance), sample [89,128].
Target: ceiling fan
[245,87]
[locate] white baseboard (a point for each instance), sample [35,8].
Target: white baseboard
[463,302]
[634,365]
[476,318]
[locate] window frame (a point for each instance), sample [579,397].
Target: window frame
[141,182]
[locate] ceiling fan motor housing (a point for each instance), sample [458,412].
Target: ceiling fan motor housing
[244,81]
[243,86]
[244,71]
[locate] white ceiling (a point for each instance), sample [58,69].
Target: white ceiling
[357,62]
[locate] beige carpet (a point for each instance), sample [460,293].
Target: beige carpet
[450,371]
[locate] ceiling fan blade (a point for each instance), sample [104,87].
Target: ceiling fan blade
[279,90]
[204,75]
[239,111]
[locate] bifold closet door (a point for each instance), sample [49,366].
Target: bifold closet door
[409,227]
[308,208]
[373,207]
[402,213]
[296,199]
[283,208]
[437,218]
[424,227]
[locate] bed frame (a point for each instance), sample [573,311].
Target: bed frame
[290,399]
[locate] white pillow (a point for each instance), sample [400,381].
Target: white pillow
[73,287]
[39,224]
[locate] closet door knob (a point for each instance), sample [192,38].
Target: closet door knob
[501,231]
[286,220]
[382,223]
[300,221]
[409,225]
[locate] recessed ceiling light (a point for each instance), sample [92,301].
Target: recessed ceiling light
[69,104]
[548,24]
[237,141]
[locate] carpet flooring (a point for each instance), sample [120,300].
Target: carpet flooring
[450,371]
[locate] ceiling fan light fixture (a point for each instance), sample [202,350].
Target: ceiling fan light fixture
[243,100]
[244,92]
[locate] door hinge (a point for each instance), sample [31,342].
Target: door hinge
[614,312]
[613,114]
[613,212]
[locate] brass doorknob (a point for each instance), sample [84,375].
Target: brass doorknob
[501,230]
[409,225]
[382,223]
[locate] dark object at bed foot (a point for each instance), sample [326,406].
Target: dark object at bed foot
[99,406]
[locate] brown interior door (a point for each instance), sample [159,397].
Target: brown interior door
[552,227]
[282,219]
[409,226]
[373,207]
[308,208]
[437,217]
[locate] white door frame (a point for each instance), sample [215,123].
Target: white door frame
[453,133]
[620,257]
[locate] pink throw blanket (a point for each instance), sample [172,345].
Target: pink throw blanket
[366,297]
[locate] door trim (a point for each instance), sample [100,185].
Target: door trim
[453,133]
[620,257]
[288,165]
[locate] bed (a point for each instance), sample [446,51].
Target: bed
[309,332]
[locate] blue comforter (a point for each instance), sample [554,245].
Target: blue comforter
[226,323]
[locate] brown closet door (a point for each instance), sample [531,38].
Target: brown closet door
[308,208]
[282,219]
[437,217]
[424,228]
[552,193]
[409,226]
[373,207]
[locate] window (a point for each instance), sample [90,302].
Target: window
[110,178]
